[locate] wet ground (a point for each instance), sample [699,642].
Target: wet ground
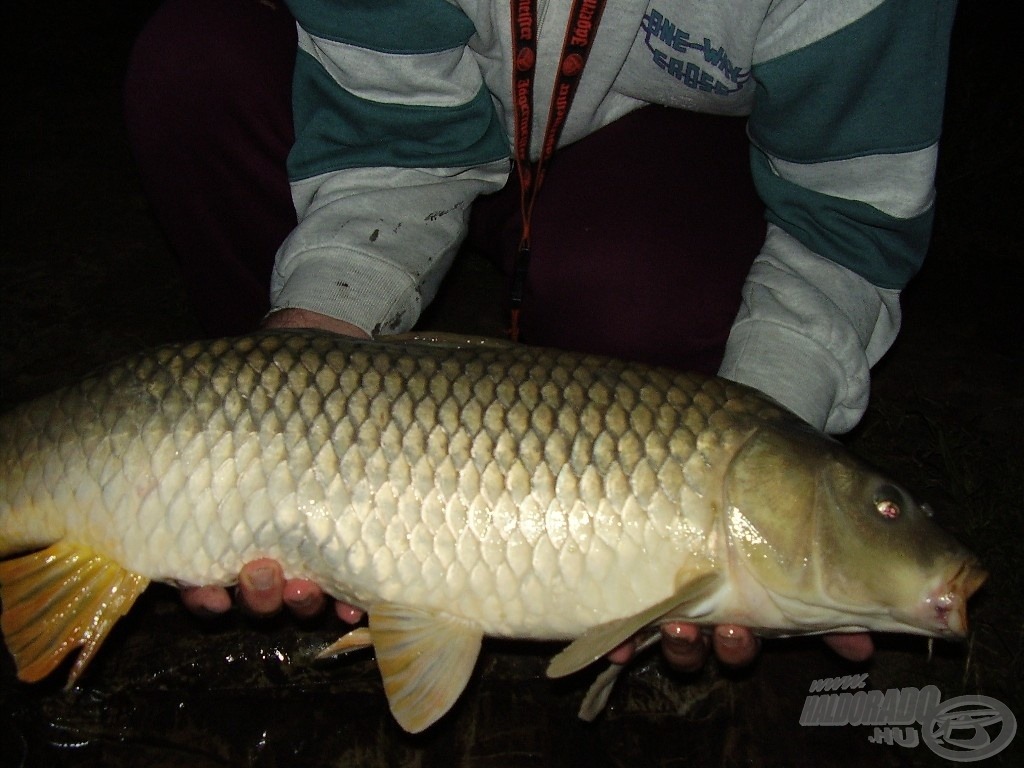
[85,277]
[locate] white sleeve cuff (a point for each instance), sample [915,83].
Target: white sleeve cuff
[808,332]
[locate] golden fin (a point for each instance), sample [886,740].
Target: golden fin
[59,599]
[599,640]
[425,659]
[350,641]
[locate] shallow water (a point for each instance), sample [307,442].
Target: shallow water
[171,690]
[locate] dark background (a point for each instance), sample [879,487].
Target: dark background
[86,277]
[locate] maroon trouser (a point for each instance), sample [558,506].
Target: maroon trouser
[641,238]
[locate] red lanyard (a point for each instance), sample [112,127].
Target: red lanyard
[579,35]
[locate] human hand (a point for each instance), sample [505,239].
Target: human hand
[686,647]
[293,317]
[263,591]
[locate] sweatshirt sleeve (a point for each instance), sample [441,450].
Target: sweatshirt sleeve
[395,135]
[844,135]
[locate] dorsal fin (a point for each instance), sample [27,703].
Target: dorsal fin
[449,340]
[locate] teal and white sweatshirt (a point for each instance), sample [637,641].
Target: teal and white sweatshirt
[403,116]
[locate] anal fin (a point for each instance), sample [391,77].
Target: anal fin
[425,659]
[59,599]
[351,641]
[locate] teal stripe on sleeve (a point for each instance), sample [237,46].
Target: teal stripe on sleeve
[884,250]
[877,85]
[335,129]
[389,26]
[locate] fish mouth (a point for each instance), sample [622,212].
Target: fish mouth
[944,610]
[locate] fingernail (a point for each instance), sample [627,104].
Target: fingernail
[261,579]
[681,634]
[728,637]
[681,642]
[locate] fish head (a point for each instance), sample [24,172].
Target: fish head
[839,546]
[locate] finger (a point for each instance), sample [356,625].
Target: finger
[303,597]
[206,600]
[684,646]
[856,646]
[735,646]
[261,587]
[348,613]
[623,653]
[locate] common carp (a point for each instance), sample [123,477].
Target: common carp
[452,491]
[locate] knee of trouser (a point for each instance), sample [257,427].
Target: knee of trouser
[196,62]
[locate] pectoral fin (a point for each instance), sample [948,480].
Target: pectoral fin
[597,694]
[426,660]
[599,640]
[59,599]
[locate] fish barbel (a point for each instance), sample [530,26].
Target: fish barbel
[453,491]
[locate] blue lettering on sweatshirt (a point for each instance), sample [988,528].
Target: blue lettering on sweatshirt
[663,38]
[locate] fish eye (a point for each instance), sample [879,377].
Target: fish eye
[888,508]
[888,502]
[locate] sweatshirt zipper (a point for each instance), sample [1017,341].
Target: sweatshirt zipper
[542,11]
